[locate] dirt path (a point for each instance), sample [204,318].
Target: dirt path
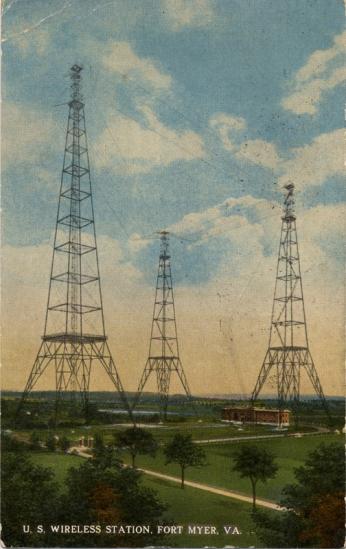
[206,487]
[219,491]
[259,437]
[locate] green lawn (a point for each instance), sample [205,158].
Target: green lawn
[198,430]
[60,463]
[192,506]
[188,506]
[289,452]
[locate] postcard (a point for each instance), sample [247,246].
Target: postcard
[172,273]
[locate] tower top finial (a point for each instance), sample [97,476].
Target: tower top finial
[289,187]
[76,68]
[76,96]
[289,202]
[164,244]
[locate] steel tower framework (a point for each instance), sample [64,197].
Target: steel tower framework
[74,332]
[288,351]
[164,348]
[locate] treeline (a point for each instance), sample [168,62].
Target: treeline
[313,514]
[103,491]
[99,492]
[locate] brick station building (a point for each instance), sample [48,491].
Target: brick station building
[265,416]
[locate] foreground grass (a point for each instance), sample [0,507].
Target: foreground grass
[191,506]
[290,453]
[60,463]
[184,507]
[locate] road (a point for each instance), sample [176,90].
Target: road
[212,489]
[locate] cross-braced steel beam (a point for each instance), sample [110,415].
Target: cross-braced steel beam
[164,356]
[74,339]
[288,352]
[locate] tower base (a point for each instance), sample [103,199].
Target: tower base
[287,363]
[163,368]
[72,357]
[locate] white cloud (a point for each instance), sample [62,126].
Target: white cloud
[131,147]
[119,57]
[323,71]
[25,132]
[34,26]
[226,125]
[316,161]
[223,219]
[136,242]
[36,43]
[188,13]
[231,128]
[259,152]
[309,165]
[318,61]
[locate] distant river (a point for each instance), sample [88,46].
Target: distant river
[144,412]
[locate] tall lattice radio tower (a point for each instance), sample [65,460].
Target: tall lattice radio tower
[164,356]
[288,351]
[74,338]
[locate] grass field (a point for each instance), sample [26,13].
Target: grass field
[162,433]
[192,506]
[289,452]
[60,463]
[184,507]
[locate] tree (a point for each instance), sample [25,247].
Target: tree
[315,509]
[29,497]
[10,443]
[325,521]
[51,443]
[183,451]
[110,495]
[64,443]
[256,464]
[103,454]
[136,441]
[35,443]
[104,504]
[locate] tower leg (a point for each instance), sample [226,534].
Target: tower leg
[296,393]
[313,376]
[43,359]
[84,384]
[102,353]
[182,377]
[163,373]
[180,371]
[263,375]
[145,375]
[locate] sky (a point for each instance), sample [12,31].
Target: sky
[198,112]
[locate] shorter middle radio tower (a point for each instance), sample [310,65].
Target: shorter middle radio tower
[164,349]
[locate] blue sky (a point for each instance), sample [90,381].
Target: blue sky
[189,104]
